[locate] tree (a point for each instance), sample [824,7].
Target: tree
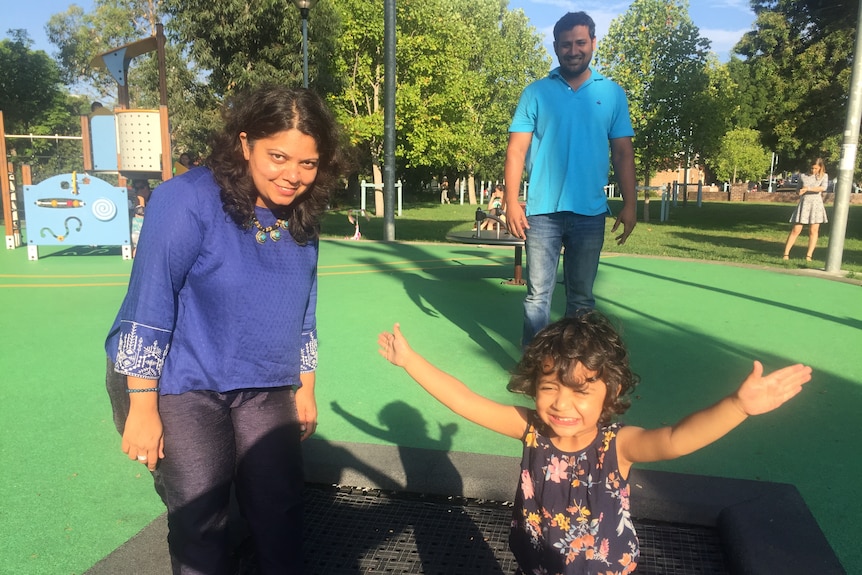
[749,86]
[33,102]
[81,36]
[30,84]
[711,110]
[511,57]
[657,55]
[461,67]
[243,44]
[800,55]
[502,54]
[741,156]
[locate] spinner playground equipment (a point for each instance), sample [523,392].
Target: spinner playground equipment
[79,209]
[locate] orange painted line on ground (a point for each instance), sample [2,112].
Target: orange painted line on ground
[322,274]
[376,267]
[64,276]
[404,269]
[123,284]
[400,262]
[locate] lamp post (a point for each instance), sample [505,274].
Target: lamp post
[305,7]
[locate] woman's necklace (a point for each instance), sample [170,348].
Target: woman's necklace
[274,231]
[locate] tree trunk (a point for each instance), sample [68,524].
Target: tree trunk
[471,187]
[646,191]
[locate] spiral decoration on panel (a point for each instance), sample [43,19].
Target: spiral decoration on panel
[104,209]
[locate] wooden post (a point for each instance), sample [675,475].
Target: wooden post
[5,191]
[167,158]
[86,144]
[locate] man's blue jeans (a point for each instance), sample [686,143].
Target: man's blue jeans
[582,237]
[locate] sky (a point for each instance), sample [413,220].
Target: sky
[723,22]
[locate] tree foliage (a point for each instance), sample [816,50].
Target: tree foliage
[797,71]
[460,68]
[81,36]
[243,44]
[33,102]
[655,52]
[29,84]
[741,156]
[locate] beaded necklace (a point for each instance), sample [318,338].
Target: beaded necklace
[274,231]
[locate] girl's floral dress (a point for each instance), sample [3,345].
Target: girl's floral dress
[572,509]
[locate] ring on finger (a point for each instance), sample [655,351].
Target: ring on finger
[142,458]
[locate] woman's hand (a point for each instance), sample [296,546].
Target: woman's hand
[143,436]
[306,406]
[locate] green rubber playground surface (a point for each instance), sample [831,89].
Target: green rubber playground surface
[70,497]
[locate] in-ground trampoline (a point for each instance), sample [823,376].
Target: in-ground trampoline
[360,519]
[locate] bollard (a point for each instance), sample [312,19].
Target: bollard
[665,197]
[646,206]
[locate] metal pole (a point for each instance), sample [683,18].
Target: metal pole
[389,71]
[303,12]
[848,158]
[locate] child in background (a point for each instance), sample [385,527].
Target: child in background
[139,195]
[571,513]
[495,208]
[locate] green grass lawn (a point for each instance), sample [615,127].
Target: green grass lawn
[743,233]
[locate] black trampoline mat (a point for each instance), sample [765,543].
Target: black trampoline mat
[350,530]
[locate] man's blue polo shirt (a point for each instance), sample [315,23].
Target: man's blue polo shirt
[569,156]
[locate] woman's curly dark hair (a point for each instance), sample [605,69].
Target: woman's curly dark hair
[589,339]
[262,113]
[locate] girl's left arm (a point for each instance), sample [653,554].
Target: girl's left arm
[757,394]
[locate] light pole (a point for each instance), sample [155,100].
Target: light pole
[305,7]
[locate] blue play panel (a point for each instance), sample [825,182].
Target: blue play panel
[76,209]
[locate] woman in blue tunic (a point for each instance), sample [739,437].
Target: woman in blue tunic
[212,356]
[810,209]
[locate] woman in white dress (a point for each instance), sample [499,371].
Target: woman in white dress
[810,208]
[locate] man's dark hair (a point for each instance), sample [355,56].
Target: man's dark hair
[573,19]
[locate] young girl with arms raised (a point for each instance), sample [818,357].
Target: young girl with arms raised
[571,511]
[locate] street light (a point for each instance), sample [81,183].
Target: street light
[305,7]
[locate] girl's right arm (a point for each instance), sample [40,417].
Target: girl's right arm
[143,434]
[508,420]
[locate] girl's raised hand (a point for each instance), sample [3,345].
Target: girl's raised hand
[760,394]
[393,346]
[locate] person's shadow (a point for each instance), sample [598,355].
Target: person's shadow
[446,537]
[404,426]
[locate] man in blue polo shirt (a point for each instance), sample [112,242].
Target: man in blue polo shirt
[565,130]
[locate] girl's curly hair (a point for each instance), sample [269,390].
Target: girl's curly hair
[262,113]
[589,339]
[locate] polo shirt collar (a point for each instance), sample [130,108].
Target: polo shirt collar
[594,76]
